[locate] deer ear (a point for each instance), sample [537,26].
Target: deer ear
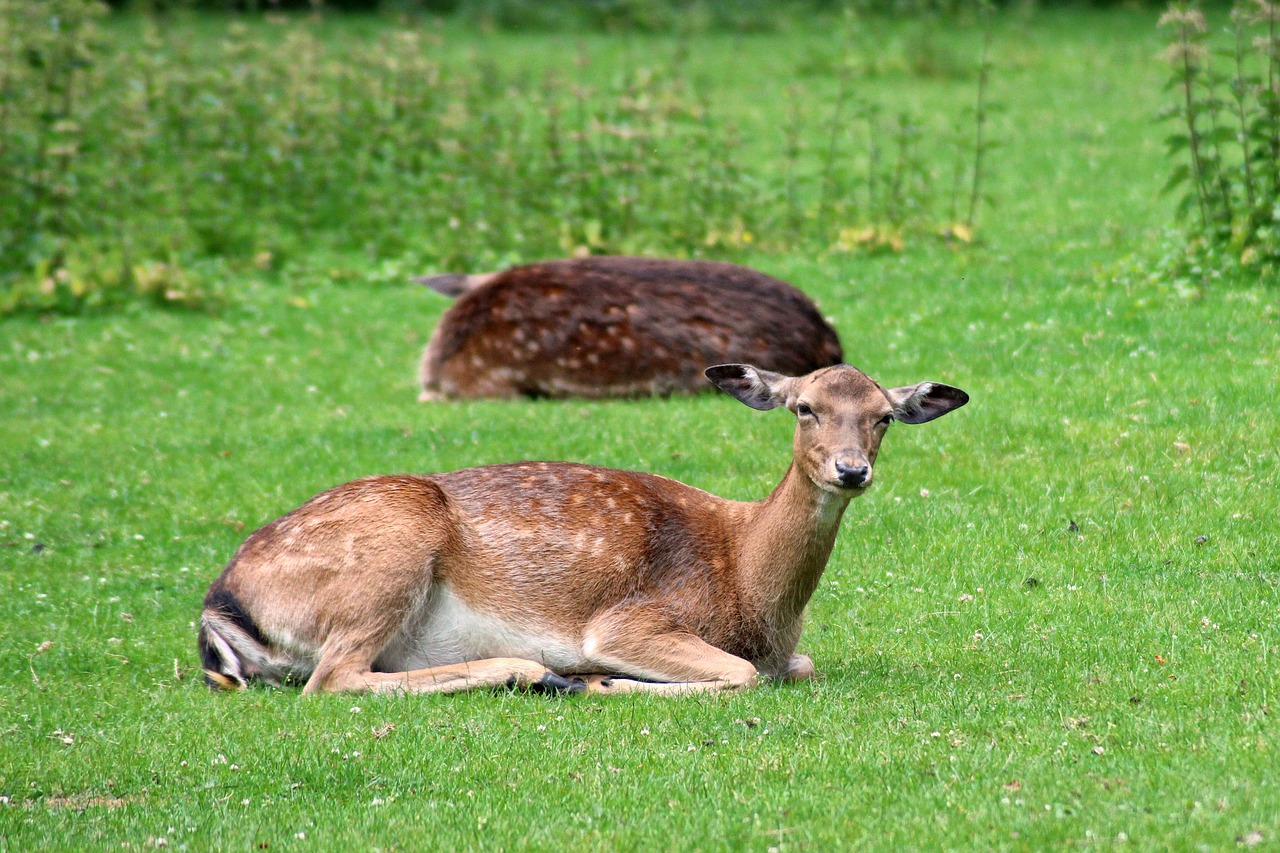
[918,404]
[759,389]
[447,284]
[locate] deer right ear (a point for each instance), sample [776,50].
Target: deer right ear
[759,389]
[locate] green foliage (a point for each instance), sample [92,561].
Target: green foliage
[169,154]
[614,16]
[665,16]
[1227,149]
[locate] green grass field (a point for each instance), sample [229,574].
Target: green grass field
[1051,624]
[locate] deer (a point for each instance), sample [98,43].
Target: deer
[558,577]
[615,326]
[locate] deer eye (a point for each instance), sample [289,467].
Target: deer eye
[803,410]
[885,421]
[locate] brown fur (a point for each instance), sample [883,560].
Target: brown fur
[528,572]
[616,327]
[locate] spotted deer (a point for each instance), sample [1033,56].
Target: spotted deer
[615,327]
[556,576]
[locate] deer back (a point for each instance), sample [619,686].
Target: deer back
[620,326]
[564,542]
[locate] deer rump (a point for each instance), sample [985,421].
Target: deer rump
[620,327]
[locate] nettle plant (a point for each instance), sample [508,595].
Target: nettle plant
[164,156]
[1227,147]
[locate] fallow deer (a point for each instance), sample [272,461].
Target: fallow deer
[557,576]
[615,327]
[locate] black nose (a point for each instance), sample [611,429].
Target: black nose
[850,476]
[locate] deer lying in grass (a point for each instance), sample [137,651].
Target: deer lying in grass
[615,327]
[556,576]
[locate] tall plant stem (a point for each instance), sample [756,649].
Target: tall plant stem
[1238,88]
[980,120]
[1189,113]
[897,194]
[957,177]
[1219,178]
[1273,103]
[833,137]
[791,158]
[873,161]
[7,73]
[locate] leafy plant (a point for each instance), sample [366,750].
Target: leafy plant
[218,148]
[1227,147]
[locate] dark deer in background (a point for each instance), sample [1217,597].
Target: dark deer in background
[558,576]
[616,327]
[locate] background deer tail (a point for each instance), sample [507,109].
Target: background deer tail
[453,283]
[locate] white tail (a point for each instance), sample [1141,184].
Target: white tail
[554,575]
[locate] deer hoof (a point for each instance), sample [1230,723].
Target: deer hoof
[553,684]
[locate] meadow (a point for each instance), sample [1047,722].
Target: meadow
[1052,623]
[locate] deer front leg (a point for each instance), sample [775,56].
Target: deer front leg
[669,660]
[798,668]
[356,677]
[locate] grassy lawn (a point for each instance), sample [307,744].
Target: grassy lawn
[1052,623]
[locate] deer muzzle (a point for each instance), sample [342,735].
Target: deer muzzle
[853,473]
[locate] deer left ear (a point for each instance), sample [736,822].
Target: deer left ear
[918,404]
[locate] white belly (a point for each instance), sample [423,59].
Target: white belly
[447,631]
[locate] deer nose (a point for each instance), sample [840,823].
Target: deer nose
[851,475]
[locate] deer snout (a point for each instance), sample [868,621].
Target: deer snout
[853,474]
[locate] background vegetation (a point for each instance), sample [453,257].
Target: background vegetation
[162,154]
[1227,147]
[1052,623]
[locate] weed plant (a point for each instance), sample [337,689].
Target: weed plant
[1227,148]
[167,155]
[650,16]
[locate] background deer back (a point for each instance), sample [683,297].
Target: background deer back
[617,327]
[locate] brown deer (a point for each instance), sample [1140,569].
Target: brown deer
[556,576]
[616,327]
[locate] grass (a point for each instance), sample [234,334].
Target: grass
[1069,641]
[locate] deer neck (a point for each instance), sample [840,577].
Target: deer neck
[787,544]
